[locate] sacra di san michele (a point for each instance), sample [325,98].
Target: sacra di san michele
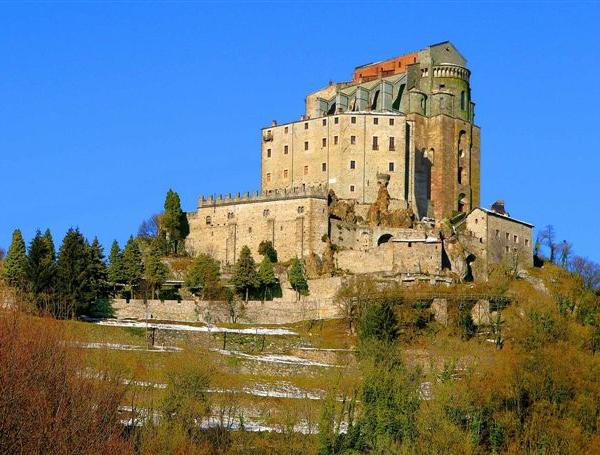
[381,174]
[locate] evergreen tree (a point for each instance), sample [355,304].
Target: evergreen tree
[155,271]
[174,222]
[297,277]
[204,275]
[115,264]
[245,276]
[41,269]
[73,275]
[133,266]
[98,271]
[15,264]
[267,249]
[266,275]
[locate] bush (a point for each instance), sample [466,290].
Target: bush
[46,404]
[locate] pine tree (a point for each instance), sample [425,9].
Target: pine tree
[73,275]
[267,249]
[133,266]
[174,222]
[204,275]
[41,269]
[245,276]
[266,275]
[155,271]
[98,270]
[297,277]
[15,264]
[115,264]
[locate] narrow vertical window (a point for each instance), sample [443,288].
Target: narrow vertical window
[336,120]
[324,142]
[305,170]
[392,143]
[352,164]
[324,166]
[305,145]
[335,140]
[375,143]
[306,125]
[462,100]
[268,153]
[376,121]
[352,119]
[353,139]
[391,167]
[324,122]
[285,149]
[268,177]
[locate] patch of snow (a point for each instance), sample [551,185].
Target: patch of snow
[326,349]
[281,390]
[193,328]
[274,358]
[128,347]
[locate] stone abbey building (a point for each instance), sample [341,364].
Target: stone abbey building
[373,166]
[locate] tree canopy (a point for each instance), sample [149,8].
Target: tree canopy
[245,276]
[15,264]
[297,277]
[204,275]
[174,223]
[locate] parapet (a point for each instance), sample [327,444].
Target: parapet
[313,191]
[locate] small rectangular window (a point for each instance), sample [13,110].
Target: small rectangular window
[335,140]
[208,220]
[323,167]
[391,122]
[376,121]
[516,239]
[305,125]
[301,209]
[352,188]
[324,122]
[353,140]
[507,236]
[285,173]
[497,233]
[352,164]
[324,142]
[305,145]
[392,143]
[285,130]
[305,170]
[268,153]
[336,120]
[268,177]
[526,242]
[352,119]
[285,149]
[391,167]
[375,143]
[266,213]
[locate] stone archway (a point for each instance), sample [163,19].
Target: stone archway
[384,239]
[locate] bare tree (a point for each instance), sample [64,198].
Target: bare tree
[564,250]
[150,227]
[546,237]
[588,270]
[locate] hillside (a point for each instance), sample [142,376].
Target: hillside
[395,381]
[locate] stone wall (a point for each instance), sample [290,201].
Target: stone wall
[319,304]
[295,225]
[417,257]
[321,150]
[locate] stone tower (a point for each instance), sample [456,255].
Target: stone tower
[410,117]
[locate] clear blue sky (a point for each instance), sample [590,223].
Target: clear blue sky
[104,106]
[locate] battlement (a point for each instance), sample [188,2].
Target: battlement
[317,191]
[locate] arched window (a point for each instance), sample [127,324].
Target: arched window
[463,100]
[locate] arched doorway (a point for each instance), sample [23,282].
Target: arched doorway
[384,239]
